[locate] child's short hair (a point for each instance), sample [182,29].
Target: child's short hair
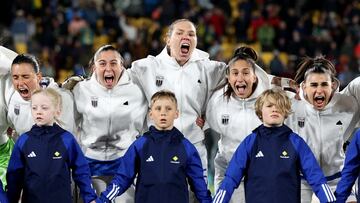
[282,101]
[161,95]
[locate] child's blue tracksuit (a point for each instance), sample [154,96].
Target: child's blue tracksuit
[40,166]
[270,160]
[165,163]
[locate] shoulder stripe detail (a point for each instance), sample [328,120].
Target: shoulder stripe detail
[113,192]
[329,194]
[219,197]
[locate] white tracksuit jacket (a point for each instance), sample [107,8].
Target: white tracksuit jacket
[235,119]
[19,110]
[15,111]
[6,58]
[192,84]
[327,130]
[109,119]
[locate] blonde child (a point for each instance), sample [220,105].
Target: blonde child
[163,160]
[42,158]
[271,159]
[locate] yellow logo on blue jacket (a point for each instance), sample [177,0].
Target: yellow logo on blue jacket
[284,155]
[57,155]
[175,160]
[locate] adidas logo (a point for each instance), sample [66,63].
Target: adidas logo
[150,159]
[259,154]
[32,154]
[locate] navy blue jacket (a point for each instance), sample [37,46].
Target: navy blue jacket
[351,170]
[165,163]
[40,166]
[270,160]
[3,198]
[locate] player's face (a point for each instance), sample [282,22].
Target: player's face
[317,88]
[43,110]
[242,78]
[108,68]
[271,114]
[163,112]
[182,41]
[24,79]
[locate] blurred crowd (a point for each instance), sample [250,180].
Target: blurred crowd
[64,34]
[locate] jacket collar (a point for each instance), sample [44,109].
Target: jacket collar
[174,134]
[273,131]
[46,130]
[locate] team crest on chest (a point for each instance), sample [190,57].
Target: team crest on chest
[17,109]
[159,80]
[94,101]
[301,122]
[225,119]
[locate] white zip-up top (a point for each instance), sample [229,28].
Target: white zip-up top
[6,58]
[16,112]
[353,89]
[19,110]
[109,119]
[327,130]
[192,84]
[234,119]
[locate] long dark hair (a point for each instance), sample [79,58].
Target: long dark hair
[242,53]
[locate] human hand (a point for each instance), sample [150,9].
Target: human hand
[200,122]
[72,81]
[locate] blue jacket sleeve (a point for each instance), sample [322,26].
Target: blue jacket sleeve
[195,174]
[80,168]
[236,170]
[125,174]
[3,198]
[311,170]
[350,171]
[15,171]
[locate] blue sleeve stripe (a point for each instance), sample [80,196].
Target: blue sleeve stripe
[329,194]
[113,192]
[219,197]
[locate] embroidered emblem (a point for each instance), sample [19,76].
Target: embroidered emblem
[94,101]
[17,109]
[57,155]
[175,160]
[31,155]
[159,80]
[259,154]
[225,119]
[339,122]
[284,155]
[150,159]
[301,122]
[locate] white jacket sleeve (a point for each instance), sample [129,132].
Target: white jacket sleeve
[6,58]
[353,89]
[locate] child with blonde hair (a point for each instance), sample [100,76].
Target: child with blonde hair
[271,159]
[44,157]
